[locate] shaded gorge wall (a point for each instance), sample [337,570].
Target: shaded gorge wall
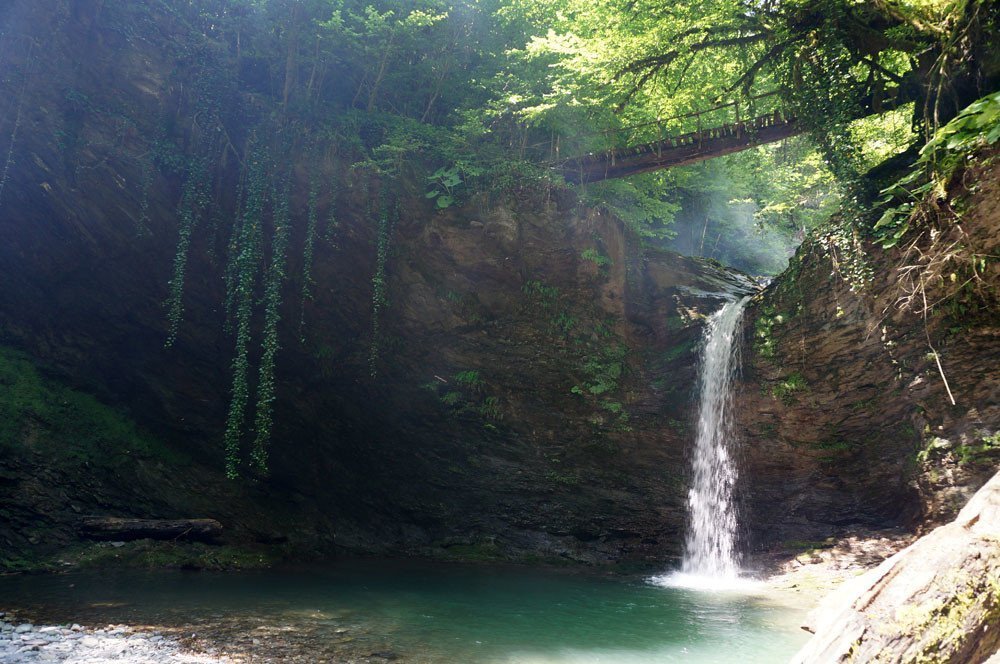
[511,378]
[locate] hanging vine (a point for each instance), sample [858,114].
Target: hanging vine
[247,251]
[307,250]
[379,301]
[264,420]
[329,233]
[232,251]
[194,201]
[206,134]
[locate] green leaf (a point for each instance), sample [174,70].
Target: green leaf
[888,218]
[993,135]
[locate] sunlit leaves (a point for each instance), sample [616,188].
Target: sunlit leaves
[977,126]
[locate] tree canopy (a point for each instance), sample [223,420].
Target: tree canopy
[493,90]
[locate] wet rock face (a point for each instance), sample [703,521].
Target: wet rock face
[937,600]
[547,394]
[533,383]
[846,418]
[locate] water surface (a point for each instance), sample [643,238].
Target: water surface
[421,612]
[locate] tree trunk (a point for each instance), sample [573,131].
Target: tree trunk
[115,528]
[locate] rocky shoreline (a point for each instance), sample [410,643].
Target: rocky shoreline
[76,644]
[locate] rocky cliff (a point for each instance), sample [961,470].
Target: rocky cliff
[509,378]
[855,354]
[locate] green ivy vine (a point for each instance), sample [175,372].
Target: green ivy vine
[379,302]
[843,244]
[308,247]
[246,253]
[264,420]
[194,201]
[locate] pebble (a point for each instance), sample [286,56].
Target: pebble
[26,643]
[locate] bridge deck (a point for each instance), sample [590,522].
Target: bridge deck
[679,150]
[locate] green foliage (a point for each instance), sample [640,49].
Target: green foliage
[379,283]
[749,210]
[245,256]
[786,390]
[193,204]
[790,186]
[646,203]
[39,415]
[264,419]
[445,182]
[843,243]
[395,143]
[763,337]
[541,292]
[612,406]
[829,62]
[496,91]
[442,186]
[308,248]
[595,257]
[490,409]
[168,157]
[505,177]
[678,426]
[985,449]
[469,379]
[564,323]
[603,371]
[977,126]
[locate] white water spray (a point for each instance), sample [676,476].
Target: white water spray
[711,559]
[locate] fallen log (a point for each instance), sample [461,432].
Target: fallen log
[116,528]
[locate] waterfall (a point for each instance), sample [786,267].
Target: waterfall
[710,545]
[710,555]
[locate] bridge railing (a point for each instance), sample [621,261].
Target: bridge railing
[730,118]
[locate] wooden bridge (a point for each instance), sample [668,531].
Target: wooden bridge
[677,149]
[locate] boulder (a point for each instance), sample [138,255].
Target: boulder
[936,600]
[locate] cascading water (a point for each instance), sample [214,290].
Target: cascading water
[710,556]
